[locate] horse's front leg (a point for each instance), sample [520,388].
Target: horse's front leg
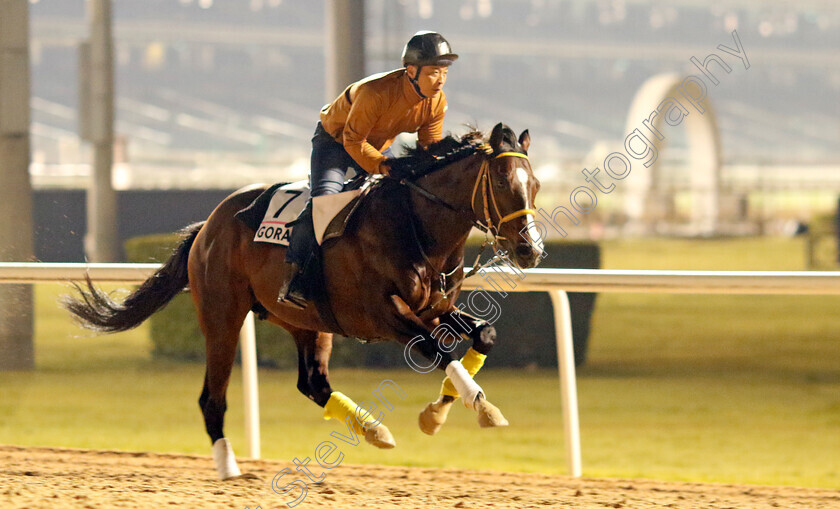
[483,336]
[435,346]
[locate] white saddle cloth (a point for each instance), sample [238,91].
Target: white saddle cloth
[285,206]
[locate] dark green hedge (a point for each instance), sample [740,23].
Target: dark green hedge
[176,335]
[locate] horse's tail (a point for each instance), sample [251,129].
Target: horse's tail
[96,310]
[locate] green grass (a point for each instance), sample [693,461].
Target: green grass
[702,388]
[713,387]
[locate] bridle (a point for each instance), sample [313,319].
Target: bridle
[484,182]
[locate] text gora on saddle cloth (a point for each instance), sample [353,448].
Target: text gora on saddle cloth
[284,208]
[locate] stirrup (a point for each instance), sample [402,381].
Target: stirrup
[296,301]
[287,293]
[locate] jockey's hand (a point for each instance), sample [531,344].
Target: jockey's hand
[400,168]
[385,167]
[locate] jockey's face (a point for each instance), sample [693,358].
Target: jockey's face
[430,79]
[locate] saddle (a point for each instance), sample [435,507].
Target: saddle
[272,216]
[273,213]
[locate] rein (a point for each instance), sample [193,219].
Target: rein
[484,180]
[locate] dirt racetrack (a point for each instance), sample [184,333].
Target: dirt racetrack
[55,478]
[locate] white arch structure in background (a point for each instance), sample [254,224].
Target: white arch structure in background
[643,198]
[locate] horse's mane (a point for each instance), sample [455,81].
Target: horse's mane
[418,161]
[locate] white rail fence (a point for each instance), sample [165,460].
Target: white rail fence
[554,281]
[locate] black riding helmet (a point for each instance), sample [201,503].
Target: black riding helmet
[428,48]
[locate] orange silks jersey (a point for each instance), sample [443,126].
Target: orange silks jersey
[370,113]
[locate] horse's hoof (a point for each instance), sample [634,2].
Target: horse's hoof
[433,416]
[489,416]
[380,436]
[225,460]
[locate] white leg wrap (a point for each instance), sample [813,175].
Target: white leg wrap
[463,382]
[225,460]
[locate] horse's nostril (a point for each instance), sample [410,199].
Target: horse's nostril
[523,250]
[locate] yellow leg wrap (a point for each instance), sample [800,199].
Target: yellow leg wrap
[340,407]
[472,361]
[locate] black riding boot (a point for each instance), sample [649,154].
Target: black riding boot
[301,248]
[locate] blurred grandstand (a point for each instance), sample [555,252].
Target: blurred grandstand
[220,93]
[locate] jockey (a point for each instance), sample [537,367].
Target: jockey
[357,129]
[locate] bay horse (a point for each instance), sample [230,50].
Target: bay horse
[395,274]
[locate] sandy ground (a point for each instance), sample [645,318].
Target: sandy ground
[50,477]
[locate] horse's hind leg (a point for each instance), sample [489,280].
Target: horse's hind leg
[314,349]
[220,314]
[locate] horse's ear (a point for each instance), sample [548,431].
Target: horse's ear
[496,137]
[502,138]
[525,140]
